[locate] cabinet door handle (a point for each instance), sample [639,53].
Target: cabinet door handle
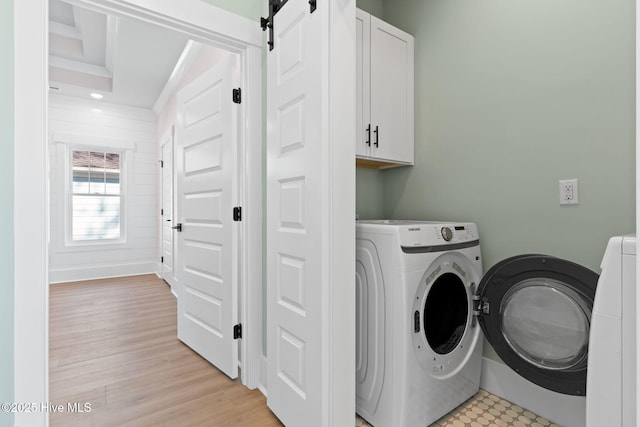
[368,141]
[376,132]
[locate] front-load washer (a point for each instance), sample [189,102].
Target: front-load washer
[421,304]
[417,358]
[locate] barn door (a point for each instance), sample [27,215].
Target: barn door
[300,341]
[207,234]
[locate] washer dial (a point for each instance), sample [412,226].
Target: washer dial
[447,234]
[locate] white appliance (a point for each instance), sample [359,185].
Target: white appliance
[422,301]
[611,375]
[400,380]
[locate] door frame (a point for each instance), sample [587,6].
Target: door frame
[167,140]
[202,22]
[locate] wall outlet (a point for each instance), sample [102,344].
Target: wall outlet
[568,189]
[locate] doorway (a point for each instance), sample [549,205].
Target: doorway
[133,85]
[190,17]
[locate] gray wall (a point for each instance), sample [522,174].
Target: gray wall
[6,208]
[369,189]
[248,8]
[374,7]
[512,95]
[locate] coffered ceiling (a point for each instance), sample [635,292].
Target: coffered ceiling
[126,61]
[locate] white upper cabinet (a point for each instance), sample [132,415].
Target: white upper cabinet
[384,92]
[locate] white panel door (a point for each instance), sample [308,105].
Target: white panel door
[167,209]
[208,243]
[294,217]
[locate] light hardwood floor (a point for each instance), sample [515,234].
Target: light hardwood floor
[113,345]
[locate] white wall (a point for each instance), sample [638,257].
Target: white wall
[136,128]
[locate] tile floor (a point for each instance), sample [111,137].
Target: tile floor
[486,409]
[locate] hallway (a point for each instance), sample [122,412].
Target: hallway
[113,346]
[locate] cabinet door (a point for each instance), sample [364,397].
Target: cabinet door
[391,93]
[363,43]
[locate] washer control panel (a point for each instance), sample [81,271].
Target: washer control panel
[433,234]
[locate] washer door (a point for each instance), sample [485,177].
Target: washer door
[535,310]
[444,330]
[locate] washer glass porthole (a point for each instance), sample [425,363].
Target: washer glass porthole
[546,323]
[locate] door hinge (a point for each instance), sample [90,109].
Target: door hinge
[161,259]
[161,212]
[237,331]
[161,163]
[481,306]
[237,213]
[237,96]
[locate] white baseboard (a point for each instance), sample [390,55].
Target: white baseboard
[263,376]
[497,378]
[91,272]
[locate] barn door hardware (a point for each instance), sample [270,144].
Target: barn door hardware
[274,7]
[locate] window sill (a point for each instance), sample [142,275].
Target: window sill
[94,246]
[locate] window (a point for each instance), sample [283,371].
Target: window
[96,195]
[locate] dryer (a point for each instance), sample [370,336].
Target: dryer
[422,302]
[611,378]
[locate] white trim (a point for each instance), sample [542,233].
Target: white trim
[64,30]
[64,242]
[80,67]
[251,225]
[105,144]
[168,138]
[499,379]
[103,271]
[112,32]
[198,19]
[31,209]
[201,21]
[263,376]
[187,57]
[105,108]
[341,181]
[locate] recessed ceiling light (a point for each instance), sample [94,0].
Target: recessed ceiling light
[96,95]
